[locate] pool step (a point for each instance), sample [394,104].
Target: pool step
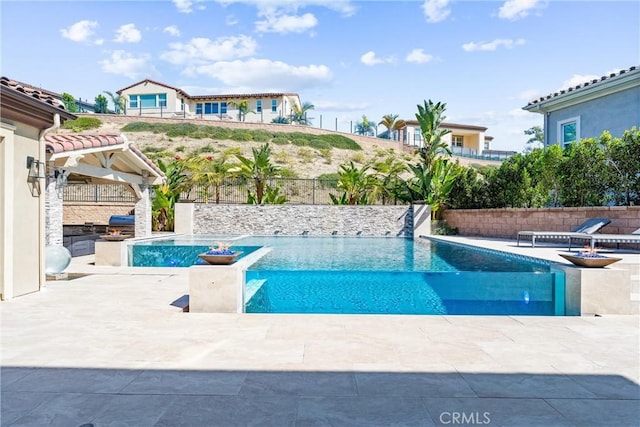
[252,286]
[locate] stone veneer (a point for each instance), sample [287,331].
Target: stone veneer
[53,212]
[297,219]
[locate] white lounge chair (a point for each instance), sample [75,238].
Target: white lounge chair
[589,227]
[634,237]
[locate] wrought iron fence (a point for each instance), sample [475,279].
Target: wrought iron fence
[235,191]
[98,193]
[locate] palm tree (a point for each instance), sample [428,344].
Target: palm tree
[392,123]
[243,108]
[389,172]
[118,101]
[365,127]
[260,169]
[356,183]
[430,117]
[211,171]
[299,114]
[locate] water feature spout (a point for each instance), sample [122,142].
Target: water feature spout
[334,233]
[359,233]
[305,233]
[276,232]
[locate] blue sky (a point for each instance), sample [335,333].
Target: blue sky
[484,59]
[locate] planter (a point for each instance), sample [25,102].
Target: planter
[220,259]
[590,262]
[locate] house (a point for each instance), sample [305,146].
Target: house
[83,106]
[35,164]
[463,140]
[26,116]
[152,98]
[611,103]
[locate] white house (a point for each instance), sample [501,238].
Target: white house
[152,98]
[465,140]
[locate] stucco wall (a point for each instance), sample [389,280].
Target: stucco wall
[98,213]
[507,222]
[298,219]
[616,113]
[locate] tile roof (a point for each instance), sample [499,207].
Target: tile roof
[156,83]
[446,125]
[584,85]
[63,143]
[42,95]
[228,96]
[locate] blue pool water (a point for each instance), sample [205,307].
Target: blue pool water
[376,276]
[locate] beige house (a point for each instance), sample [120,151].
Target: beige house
[26,116]
[156,99]
[464,140]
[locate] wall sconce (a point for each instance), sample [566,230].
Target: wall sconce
[61,178]
[36,169]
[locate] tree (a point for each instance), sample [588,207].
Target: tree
[100,104]
[167,194]
[433,183]
[299,114]
[391,184]
[117,100]
[365,127]
[623,159]
[469,191]
[392,123]
[430,116]
[280,120]
[585,176]
[243,108]
[69,102]
[211,171]
[536,140]
[259,169]
[356,185]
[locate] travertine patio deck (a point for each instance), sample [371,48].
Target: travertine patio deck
[111,349]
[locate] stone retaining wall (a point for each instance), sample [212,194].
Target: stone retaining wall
[506,223]
[301,219]
[97,213]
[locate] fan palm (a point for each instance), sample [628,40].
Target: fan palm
[118,101]
[299,114]
[392,123]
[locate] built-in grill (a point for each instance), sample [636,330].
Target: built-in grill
[124,223]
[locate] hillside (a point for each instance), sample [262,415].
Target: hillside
[305,161]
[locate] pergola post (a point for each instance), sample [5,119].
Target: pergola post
[143,208]
[53,209]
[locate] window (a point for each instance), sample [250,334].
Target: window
[457,140]
[207,108]
[569,131]
[223,108]
[417,135]
[274,105]
[259,106]
[149,100]
[182,105]
[486,145]
[199,108]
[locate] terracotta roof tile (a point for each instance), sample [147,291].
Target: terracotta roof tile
[581,86]
[42,95]
[154,82]
[62,143]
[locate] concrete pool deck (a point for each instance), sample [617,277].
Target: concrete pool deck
[114,348]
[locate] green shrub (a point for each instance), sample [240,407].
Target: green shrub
[152,149]
[329,180]
[180,149]
[181,129]
[358,158]
[340,141]
[280,140]
[305,155]
[199,134]
[138,127]
[206,149]
[319,144]
[288,173]
[219,133]
[327,155]
[261,136]
[300,142]
[82,123]
[241,135]
[281,157]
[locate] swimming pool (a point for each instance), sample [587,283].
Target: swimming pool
[375,275]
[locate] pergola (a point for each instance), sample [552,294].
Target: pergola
[97,159]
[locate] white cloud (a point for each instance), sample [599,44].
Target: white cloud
[493,45]
[341,106]
[436,10]
[172,30]
[127,64]
[345,7]
[528,94]
[371,59]
[203,50]
[231,20]
[578,79]
[264,74]
[280,23]
[517,9]
[419,57]
[128,33]
[186,6]
[80,32]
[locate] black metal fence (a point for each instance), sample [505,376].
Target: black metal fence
[98,193]
[236,191]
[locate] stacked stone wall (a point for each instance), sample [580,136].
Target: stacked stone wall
[98,213]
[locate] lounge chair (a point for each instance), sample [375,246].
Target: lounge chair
[634,237]
[590,226]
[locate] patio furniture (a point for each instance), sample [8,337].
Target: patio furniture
[634,237]
[589,227]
